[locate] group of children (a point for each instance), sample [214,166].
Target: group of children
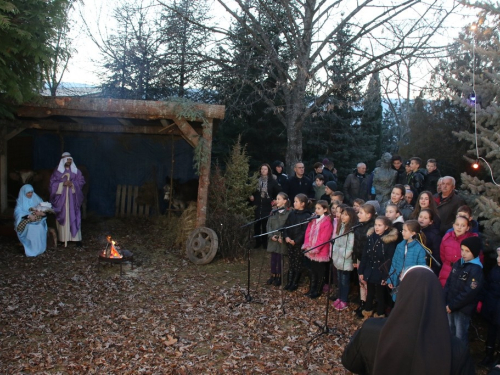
[382,248]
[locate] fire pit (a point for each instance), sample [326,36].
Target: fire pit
[115,256]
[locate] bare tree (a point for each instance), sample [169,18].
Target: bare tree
[390,33]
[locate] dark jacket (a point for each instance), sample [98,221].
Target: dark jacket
[360,239]
[416,181]
[433,242]
[431,179]
[262,202]
[414,339]
[491,297]
[377,255]
[282,178]
[463,286]
[401,176]
[356,186]
[329,176]
[447,209]
[405,208]
[299,185]
[298,232]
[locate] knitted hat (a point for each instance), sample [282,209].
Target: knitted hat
[375,205]
[278,163]
[473,244]
[332,185]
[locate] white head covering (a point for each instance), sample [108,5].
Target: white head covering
[415,267]
[64,158]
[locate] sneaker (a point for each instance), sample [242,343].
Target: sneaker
[341,306]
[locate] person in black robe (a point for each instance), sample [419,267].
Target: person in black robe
[414,339]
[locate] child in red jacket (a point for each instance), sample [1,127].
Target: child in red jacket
[318,232]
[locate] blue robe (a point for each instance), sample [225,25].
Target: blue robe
[34,236]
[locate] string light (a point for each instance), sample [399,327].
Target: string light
[472,98]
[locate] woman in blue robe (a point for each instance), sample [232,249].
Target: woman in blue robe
[31,225]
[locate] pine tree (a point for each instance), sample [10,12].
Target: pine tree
[371,121]
[482,45]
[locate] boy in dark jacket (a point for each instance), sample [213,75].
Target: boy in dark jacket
[462,288]
[491,310]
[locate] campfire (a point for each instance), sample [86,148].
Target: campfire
[113,254]
[110,250]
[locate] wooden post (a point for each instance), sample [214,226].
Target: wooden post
[204,182]
[3,169]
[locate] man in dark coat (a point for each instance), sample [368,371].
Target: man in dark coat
[356,185]
[299,183]
[448,202]
[432,177]
[416,178]
[397,165]
[329,171]
[282,178]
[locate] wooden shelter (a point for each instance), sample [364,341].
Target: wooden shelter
[192,122]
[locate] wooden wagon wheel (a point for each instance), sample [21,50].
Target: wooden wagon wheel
[201,245]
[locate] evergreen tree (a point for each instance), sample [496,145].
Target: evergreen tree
[26,28]
[483,45]
[371,122]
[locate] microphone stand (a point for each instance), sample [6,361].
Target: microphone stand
[248,297]
[324,329]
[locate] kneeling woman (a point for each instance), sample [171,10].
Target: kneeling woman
[31,225]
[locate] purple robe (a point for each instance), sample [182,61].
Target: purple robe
[75,199]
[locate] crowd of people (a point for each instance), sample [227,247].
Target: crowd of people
[423,223]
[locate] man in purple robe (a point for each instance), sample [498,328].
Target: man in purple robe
[66,196]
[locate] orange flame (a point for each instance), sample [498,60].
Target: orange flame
[114,253]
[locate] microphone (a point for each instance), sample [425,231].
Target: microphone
[276,209]
[357,225]
[313,217]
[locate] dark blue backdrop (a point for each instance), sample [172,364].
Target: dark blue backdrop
[114,160]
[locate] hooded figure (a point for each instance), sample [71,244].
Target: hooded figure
[415,339]
[31,229]
[66,196]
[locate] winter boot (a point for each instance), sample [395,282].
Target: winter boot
[311,286]
[277,280]
[488,359]
[271,279]
[315,287]
[291,276]
[295,282]
[359,310]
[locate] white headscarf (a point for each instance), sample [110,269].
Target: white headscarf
[64,158]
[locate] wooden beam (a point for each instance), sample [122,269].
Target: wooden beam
[13,133]
[204,181]
[119,108]
[92,128]
[124,122]
[188,133]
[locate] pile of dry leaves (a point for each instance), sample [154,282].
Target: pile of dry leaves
[60,314]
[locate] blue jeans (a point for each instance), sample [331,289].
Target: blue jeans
[344,279]
[459,326]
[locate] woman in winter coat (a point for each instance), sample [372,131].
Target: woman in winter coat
[366,216]
[450,251]
[432,237]
[266,190]
[276,243]
[294,238]
[376,262]
[318,232]
[409,253]
[398,198]
[414,339]
[342,256]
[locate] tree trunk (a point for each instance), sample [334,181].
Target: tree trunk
[294,146]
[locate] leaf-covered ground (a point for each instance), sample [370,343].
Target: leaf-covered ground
[61,314]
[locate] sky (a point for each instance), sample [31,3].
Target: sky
[84,66]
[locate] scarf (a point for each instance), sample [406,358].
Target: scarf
[263,187]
